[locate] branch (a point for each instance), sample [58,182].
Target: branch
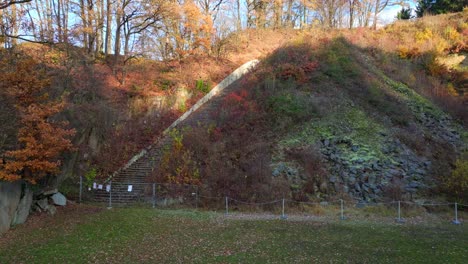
[22,37]
[5,4]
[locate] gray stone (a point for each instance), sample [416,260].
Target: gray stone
[49,192]
[276,172]
[43,204]
[345,189]
[354,148]
[24,207]
[10,195]
[365,187]
[361,204]
[420,172]
[59,199]
[371,179]
[337,186]
[36,208]
[357,187]
[332,179]
[414,184]
[359,161]
[393,172]
[326,142]
[383,134]
[51,210]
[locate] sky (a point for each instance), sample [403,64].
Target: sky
[389,14]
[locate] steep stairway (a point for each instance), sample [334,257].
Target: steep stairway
[137,171]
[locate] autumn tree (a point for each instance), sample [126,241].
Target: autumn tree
[327,11]
[41,139]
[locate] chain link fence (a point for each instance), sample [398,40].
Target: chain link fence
[175,196]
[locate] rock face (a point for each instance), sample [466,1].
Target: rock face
[10,195]
[367,176]
[370,172]
[24,207]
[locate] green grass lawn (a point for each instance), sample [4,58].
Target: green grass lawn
[132,235]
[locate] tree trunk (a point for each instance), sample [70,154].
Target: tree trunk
[50,27]
[278,6]
[118,22]
[376,12]
[352,4]
[41,21]
[238,20]
[107,45]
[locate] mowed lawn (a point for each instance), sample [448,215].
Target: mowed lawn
[85,234]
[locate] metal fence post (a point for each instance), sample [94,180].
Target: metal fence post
[342,211]
[154,195]
[456,222]
[196,199]
[399,220]
[399,212]
[110,195]
[227,206]
[81,189]
[283,216]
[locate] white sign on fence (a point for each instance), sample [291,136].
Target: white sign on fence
[130,187]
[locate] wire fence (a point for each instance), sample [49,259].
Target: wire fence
[162,195]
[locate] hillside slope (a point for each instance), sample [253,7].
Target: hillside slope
[333,116]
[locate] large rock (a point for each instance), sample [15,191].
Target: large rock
[59,199]
[24,207]
[10,195]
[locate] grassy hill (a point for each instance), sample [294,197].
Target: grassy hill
[364,114]
[369,115]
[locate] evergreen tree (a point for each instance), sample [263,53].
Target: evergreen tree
[404,14]
[436,7]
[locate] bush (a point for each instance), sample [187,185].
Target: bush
[456,184]
[432,66]
[288,105]
[202,86]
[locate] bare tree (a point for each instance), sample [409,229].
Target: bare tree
[5,4]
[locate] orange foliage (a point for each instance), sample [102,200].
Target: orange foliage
[196,30]
[41,139]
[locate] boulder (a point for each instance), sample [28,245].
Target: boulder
[43,204]
[59,199]
[24,207]
[10,195]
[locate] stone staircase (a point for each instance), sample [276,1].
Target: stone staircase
[137,171]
